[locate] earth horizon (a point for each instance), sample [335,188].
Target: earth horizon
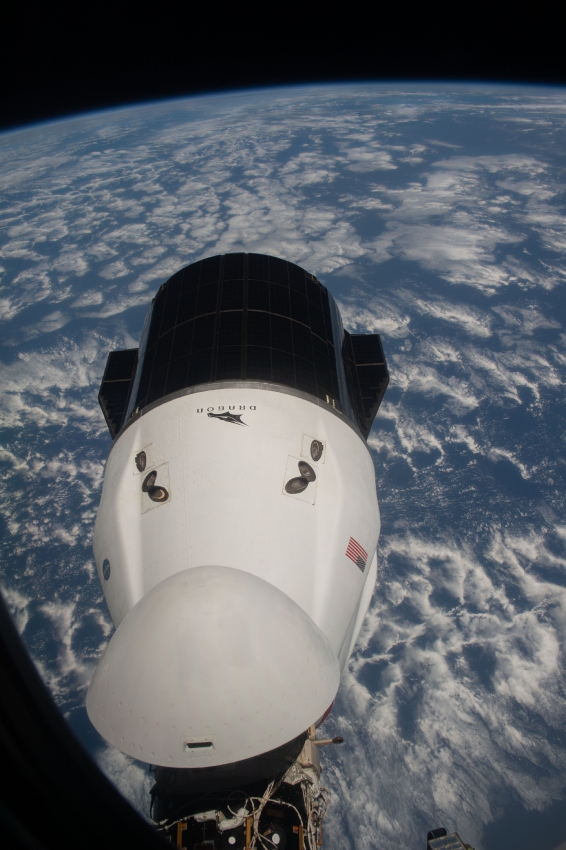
[434,213]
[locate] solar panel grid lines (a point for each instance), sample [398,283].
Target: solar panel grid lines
[115,388]
[254,317]
[217,284]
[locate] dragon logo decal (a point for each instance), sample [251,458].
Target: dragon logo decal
[234,418]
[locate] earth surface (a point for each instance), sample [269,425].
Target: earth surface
[435,216]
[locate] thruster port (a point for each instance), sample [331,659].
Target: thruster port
[149,481]
[155,492]
[316,450]
[296,485]
[307,471]
[158,494]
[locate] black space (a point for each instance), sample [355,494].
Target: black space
[58,59]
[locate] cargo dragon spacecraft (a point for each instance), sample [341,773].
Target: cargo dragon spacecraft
[236,545]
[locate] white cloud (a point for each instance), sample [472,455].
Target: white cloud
[410,436]
[415,377]
[378,316]
[47,385]
[442,144]
[458,254]
[441,735]
[17,605]
[369,158]
[114,270]
[471,320]
[525,320]
[502,375]
[50,323]
[445,221]
[530,188]
[469,621]
[65,622]
[88,298]
[494,164]
[131,778]
[308,169]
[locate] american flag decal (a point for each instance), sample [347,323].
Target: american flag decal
[356,554]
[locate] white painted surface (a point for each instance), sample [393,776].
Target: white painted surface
[228,507]
[212,656]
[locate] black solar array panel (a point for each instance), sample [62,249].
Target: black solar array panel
[245,317]
[367,376]
[115,388]
[241,317]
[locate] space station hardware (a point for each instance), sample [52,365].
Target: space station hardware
[438,839]
[236,545]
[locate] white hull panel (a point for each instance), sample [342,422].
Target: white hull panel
[227,507]
[212,666]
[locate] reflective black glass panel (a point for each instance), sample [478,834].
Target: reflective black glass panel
[207,298]
[186,309]
[200,367]
[115,388]
[147,368]
[279,300]
[248,317]
[258,329]
[258,267]
[170,305]
[190,277]
[302,341]
[258,295]
[160,366]
[232,295]
[210,270]
[230,328]
[182,340]
[299,306]
[233,266]
[240,317]
[203,334]
[296,279]
[177,375]
[317,321]
[229,363]
[278,271]
[281,334]
[155,326]
[258,363]
[305,375]
[283,367]
[367,376]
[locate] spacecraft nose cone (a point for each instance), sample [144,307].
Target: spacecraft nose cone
[212,666]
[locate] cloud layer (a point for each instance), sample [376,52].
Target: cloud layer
[437,220]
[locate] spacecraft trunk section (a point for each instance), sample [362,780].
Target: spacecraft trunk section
[246,317]
[237,531]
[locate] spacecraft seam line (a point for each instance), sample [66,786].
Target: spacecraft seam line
[255,385]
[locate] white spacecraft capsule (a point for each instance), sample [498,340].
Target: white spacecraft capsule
[237,531]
